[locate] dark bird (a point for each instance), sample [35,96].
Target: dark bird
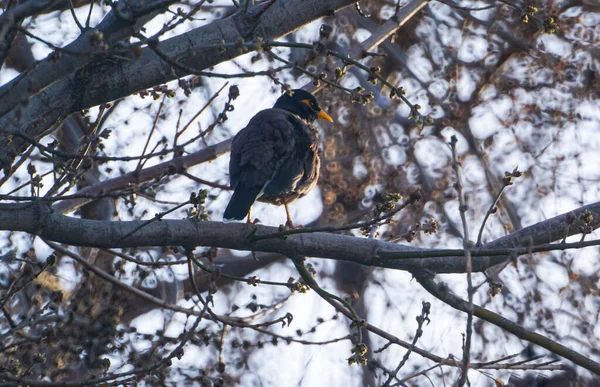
[275,158]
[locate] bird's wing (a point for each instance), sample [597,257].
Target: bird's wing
[312,163]
[260,149]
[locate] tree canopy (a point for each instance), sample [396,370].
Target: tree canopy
[451,239]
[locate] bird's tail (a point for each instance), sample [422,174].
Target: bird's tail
[241,201]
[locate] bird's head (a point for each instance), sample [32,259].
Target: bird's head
[303,104]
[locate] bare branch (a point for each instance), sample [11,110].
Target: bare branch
[40,219]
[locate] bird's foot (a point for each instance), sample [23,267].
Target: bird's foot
[250,221]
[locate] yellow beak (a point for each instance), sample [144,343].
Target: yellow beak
[324,116]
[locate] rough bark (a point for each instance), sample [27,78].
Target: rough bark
[38,218]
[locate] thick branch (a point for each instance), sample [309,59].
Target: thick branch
[39,218]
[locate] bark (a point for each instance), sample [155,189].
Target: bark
[38,218]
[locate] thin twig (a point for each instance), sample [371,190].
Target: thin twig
[89,16]
[205,182]
[489,212]
[359,350]
[157,217]
[72,9]
[206,105]
[154,123]
[424,317]
[451,4]
[469,264]
[414,197]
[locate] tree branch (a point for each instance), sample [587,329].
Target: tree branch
[40,219]
[458,303]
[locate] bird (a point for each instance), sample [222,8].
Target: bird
[275,158]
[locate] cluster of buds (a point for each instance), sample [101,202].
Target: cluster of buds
[157,91]
[414,112]
[358,355]
[35,179]
[287,89]
[340,73]
[390,199]
[97,41]
[373,74]
[529,10]
[254,281]
[258,44]
[186,86]
[396,92]
[319,78]
[495,288]
[419,119]
[297,286]
[234,92]
[389,204]
[508,176]
[429,227]
[197,200]
[586,219]
[549,26]
[362,98]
